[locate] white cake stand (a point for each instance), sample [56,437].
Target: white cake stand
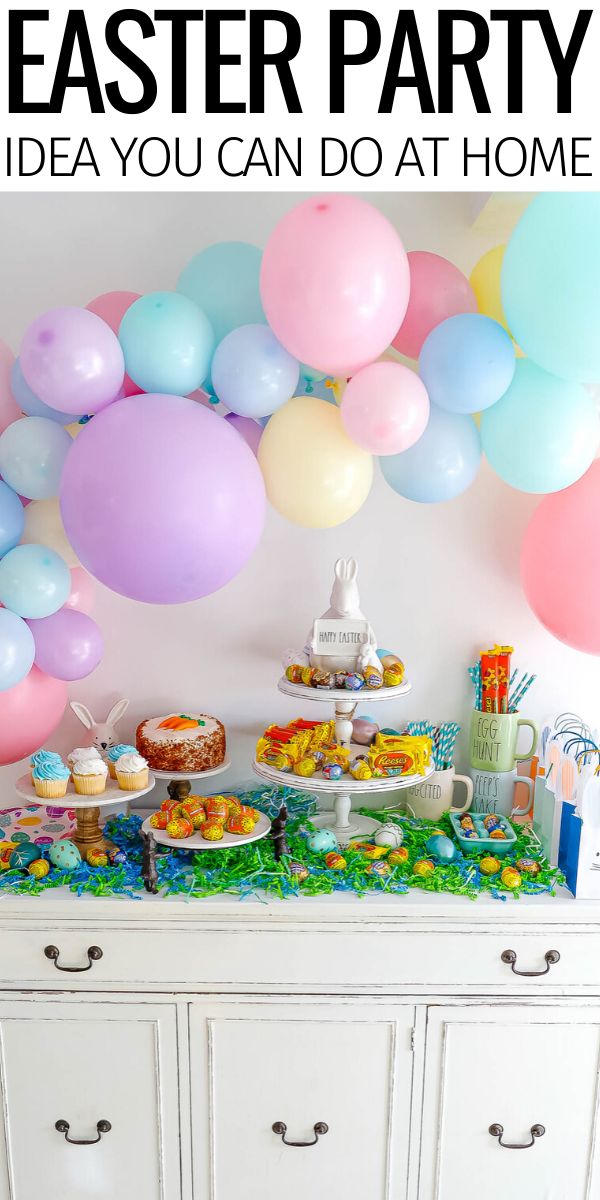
[345,824]
[197,842]
[88,835]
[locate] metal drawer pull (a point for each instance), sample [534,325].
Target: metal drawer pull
[536,1131]
[280,1128]
[551,957]
[52,952]
[102,1127]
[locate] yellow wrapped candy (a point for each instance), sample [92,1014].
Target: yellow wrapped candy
[179,827]
[397,858]
[510,878]
[424,867]
[38,868]
[376,851]
[212,831]
[306,767]
[393,674]
[361,770]
[489,865]
[335,861]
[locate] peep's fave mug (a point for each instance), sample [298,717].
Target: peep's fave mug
[493,792]
[433,796]
[493,741]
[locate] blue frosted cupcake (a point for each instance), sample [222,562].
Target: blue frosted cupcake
[114,753]
[43,756]
[50,779]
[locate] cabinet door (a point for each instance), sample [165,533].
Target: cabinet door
[515,1067]
[347,1065]
[82,1063]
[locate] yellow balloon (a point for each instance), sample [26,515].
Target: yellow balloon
[485,281]
[74,429]
[314,475]
[44,527]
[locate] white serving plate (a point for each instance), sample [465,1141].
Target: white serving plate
[197,842]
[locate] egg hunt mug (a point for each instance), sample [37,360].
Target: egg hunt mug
[493,741]
[494,792]
[434,795]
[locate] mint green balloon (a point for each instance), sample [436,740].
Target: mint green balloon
[551,284]
[543,433]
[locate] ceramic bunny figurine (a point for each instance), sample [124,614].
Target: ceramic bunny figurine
[345,605]
[100,734]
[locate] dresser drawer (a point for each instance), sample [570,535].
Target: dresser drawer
[359,957]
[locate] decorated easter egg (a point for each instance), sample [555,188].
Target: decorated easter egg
[321,841]
[23,855]
[397,858]
[528,866]
[378,868]
[179,827]
[423,866]
[335,861]
[299,871]
[510,878]
[389,835]
[441,847]
[489,865]
[6,849]
[363,731]
[212,831]
[38,868]
[96,857]
[64,855]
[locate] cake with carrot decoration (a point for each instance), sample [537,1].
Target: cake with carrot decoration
[186,742]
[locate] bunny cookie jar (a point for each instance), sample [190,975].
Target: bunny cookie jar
[345,607]
[100,734]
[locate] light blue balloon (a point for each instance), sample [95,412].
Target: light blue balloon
[441,465]
[466,363]
[168,343]
[252,373]
[224,280]
[551,284]
[17,649]
[12,519]
[29,403]
[543,434]
[33,451]
[34,581]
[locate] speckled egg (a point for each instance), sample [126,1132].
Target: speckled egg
[389,835]
[64,855]
[322,841]
[441,847]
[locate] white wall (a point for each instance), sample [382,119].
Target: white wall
[437,582]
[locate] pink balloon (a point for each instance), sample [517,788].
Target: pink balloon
[81,596]
[72,360]
[560,562]
[68,644]
[250,430]
[334,283]
[29,713]
[111,307]
[385,408]
[161,499]
[9,409]
[437,290]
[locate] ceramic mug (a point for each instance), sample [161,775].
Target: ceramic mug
[434,795]
[493,741]
[493,792]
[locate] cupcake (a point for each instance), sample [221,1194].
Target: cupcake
[132,772]
[43,756]
[83,754]
[89,775]
[50,779]
[113,754]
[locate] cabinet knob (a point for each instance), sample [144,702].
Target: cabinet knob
[551,957]
[94,953]
[63,1126]
[536,1131]
[280,1128]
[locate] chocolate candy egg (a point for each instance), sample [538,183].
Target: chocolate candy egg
[212,831]
[96,858]
[192,807]
[441,847]
[117,857]
[364,732]
[528,866]
[360,769]
[332,771]
[397,858]
[321,841]
[159,820]
[510,878]
[306,767]
[179,827]
[424,866]
[38,868]
[64,855]
[6,849]
[491,821]
[378,868]
[389,835]
[373,678]
[489,865]
[355,681]
[498,834]
[335,861]
[390,660]
[216,808]
[299,871]
[237,824]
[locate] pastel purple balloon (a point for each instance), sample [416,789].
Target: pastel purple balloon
[72,360]
[68,644]
[250,430]
[161,499]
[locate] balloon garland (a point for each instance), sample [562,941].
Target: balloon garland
[139,435]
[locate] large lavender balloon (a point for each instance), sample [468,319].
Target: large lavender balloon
[161,499]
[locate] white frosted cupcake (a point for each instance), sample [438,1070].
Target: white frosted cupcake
[132,772]
[83,754]
[89,775]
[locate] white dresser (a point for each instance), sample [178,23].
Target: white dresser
[391,1033]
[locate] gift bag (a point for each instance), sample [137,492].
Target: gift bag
[579,846]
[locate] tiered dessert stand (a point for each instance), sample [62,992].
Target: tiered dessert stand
[345,823]
[88,834]
[179,788]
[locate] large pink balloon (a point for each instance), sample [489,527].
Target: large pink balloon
[29,713]
[81,596]
[111,307]
[385,408]
[334,283]
[9,409]
[437,290]
[161,499]
[72,360]
[560,562]
[68,645]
